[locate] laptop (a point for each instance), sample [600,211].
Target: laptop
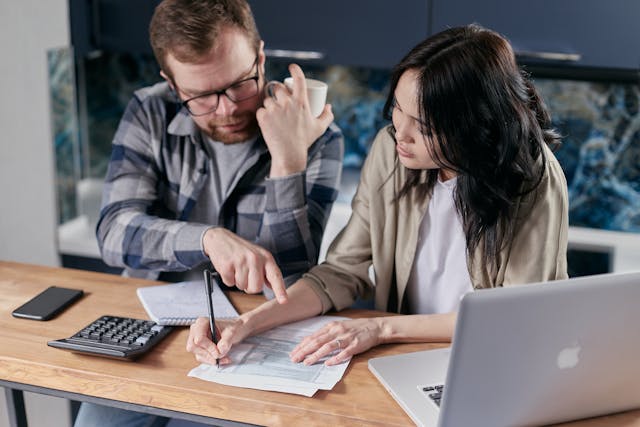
[528,355]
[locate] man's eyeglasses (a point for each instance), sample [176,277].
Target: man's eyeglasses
[239,91]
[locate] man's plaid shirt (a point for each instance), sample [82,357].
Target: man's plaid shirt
[158,168]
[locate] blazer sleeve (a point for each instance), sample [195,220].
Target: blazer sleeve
[345,273]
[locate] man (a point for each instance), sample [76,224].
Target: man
[202,170]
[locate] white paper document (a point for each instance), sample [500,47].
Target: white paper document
[262,362]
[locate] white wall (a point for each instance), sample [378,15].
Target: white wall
[28,217]
[27,198]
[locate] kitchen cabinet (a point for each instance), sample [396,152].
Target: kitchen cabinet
[375,33]
[573,33]
[110,25]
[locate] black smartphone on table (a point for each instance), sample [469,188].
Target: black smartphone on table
[48,303]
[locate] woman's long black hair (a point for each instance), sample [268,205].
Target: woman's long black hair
[485,121]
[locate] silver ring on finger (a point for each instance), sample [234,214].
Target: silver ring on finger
[338,344]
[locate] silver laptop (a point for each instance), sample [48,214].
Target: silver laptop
[528,355]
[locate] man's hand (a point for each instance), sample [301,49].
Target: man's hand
[288,127]
[242,264]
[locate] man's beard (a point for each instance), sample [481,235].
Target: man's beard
[248,130]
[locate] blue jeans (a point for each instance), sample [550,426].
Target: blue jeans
[93,415]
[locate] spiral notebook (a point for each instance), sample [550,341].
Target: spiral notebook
[182,303]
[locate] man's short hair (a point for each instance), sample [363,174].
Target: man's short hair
[189,28]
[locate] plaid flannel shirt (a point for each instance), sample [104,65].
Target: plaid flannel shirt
[159,166]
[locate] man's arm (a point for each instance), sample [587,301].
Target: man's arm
[128,233]
[298,207]
[306,165]
[296,212]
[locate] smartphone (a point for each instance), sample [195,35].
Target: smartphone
[48,303]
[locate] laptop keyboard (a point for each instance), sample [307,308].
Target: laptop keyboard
[433,392]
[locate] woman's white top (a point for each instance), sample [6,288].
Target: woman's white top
[439,276]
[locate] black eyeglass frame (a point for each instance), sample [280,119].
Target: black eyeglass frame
[255,78]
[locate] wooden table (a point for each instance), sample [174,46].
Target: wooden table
[158,383]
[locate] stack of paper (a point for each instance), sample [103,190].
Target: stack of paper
[262,362]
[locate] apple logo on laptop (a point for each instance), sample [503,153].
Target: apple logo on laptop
[569,357]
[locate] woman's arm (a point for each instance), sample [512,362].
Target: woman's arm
[302,302]
[351,337]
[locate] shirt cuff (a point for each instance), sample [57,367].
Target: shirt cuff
[287,192]
[188,244]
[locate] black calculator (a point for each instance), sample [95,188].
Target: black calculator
[115,337]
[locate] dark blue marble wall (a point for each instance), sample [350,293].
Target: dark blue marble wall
[357,96]
[600,124]
[64,130]
[601,150]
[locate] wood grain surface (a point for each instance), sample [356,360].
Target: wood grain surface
[159,379]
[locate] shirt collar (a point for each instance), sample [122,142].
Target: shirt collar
[450,183]
[182,124]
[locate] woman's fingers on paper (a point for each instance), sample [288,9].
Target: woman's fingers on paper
[321,352]
[340,357]
[309,345]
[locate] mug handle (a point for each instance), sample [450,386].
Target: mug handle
[269,88]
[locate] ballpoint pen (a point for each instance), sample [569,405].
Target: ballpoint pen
[212,319]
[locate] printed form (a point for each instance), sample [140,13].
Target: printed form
[262,362]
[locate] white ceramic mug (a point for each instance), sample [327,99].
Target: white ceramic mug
[316,93]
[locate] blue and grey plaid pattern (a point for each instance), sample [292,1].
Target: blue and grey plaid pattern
[158,168]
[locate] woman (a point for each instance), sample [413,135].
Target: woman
[461,192]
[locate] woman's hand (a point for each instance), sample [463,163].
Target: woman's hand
[199,342]
[348,338]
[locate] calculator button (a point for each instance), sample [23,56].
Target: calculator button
[143,340]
